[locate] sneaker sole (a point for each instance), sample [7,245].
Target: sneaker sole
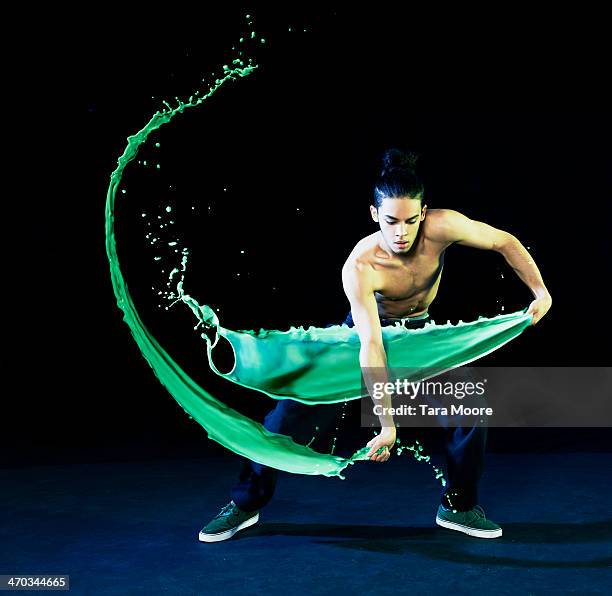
[228,533]
[444,523]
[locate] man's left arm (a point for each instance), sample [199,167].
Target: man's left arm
[453,226]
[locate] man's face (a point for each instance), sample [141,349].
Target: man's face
[399,221]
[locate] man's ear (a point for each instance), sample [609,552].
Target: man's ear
[423,212]
[374,213]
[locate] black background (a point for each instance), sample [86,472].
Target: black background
[508,113]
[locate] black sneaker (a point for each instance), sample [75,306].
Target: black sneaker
[227,522]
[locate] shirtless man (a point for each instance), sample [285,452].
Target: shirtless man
[394,274]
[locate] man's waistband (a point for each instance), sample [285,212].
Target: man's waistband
[425,315]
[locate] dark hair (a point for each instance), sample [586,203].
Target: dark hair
[398,177]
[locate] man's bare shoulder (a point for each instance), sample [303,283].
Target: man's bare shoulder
[364,252]
[440,224]
[358,266]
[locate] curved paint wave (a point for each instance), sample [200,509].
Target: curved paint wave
[315,352]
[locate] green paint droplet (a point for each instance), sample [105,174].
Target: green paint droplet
[157,144]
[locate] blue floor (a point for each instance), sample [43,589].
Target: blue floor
[131,528]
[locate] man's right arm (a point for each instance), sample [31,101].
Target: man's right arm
[359,288]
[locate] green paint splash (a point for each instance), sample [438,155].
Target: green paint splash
[224,425]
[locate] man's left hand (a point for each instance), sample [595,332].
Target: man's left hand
[539,307]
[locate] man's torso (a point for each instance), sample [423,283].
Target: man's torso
[402,287]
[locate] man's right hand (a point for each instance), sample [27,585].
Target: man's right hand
[385,439]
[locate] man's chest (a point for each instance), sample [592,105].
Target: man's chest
[399,281]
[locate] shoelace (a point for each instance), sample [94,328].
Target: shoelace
[227,510]
[479,511]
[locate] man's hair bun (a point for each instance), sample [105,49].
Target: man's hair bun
[398,177]
[395,159]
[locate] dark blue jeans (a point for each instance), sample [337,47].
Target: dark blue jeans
[465,445]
